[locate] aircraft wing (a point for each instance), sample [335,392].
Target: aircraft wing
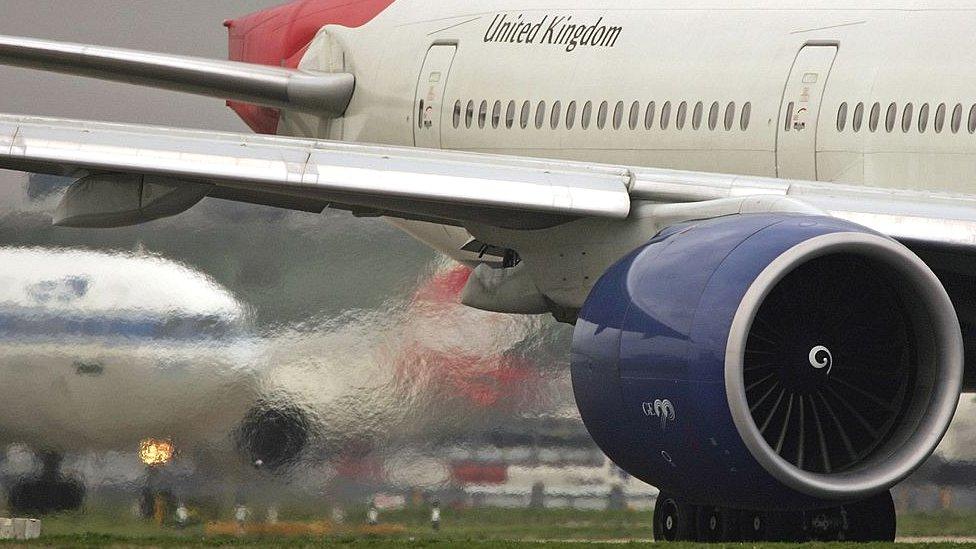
[303,174]
[277,87]
[442,186]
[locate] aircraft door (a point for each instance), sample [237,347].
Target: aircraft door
[429,104]
[796,143]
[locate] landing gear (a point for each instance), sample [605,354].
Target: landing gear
[872,519]
[751,525]
[674,520]
[715,523]
[49,493]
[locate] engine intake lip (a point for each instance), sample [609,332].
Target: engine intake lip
[938,379]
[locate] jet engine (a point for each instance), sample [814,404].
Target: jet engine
[273,436]
[757,358]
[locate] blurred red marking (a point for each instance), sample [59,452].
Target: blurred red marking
[484,381]
[356,466]
[444,287]
[280,36]
[479,473]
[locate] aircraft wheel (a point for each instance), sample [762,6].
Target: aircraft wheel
[674,520]
[752,525]
[872,519]
[869,520]
[785,526]
[716,524]
[44,496]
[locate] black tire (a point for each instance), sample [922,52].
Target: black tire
[752,525]
[872,519]
[45,496]
[716,524]
[785,526]
[674,520]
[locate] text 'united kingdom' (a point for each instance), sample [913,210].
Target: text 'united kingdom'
[558,30]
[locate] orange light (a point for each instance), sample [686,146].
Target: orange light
[155,452]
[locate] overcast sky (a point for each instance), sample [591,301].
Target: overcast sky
[188,27]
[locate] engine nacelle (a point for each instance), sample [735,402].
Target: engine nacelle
[273,436]
[758,360]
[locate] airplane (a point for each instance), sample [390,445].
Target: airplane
[759,219]
[79,327]
[95,352]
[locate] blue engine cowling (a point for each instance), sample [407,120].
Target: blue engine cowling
[768,360]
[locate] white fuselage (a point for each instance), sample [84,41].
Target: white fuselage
[100,350]
[875,93]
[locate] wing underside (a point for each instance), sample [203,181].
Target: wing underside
[440,186]
[310,175]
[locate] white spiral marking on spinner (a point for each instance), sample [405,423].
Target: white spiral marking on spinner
[821,357]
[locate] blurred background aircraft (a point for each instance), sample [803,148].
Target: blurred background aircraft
[102,351]
[106,349]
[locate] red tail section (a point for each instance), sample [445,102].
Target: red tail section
[280,36]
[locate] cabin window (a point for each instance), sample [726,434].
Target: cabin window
[679,122]
[469,114]
[906,118]
[746,116]
[842,117]
[713,116]
[875,117]
[923,118]
[858,117]
[510,115]
[696,117]
[571,115]
[634,115]
[649,116]
[557,111]
[666,115]
[940,115]
[496,114]
[540,115]
[890,117]
[972,119]
[457,114]
[524,116]
[957,118]
[618,115]
[483,114]
[730,116]
[601,117]
[587,113]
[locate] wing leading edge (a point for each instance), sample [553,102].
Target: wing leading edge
[445,187]
[175,168]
